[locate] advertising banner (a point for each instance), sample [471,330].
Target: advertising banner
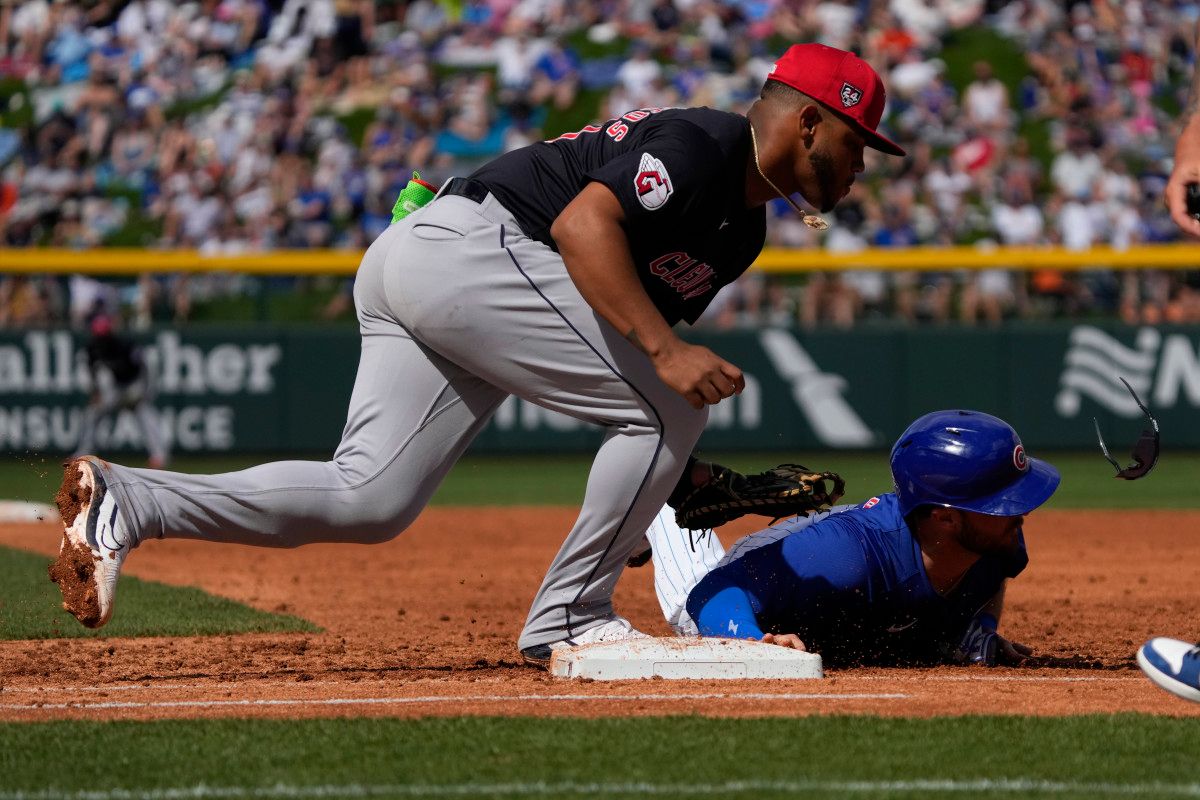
[287,390]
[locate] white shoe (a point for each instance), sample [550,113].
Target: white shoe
[614,629]
[1172,664]
[95,544]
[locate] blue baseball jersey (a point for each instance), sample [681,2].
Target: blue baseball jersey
[852,585]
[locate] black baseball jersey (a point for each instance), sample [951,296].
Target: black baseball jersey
[680,176]
[118,355]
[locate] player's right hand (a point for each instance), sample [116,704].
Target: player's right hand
[789,640]
[1187,170]
[699,374]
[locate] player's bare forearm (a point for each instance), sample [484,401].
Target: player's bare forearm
[596,251]
[1187,156]
[1188,145]
[594,248]
[1192,112]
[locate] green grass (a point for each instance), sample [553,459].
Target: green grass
[31,608]
[559,479]
[826,757]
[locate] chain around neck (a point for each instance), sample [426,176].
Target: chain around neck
[811,220]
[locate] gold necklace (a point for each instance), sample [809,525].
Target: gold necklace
[811,220]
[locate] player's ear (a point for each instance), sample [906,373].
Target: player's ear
[949,519]
[808,119]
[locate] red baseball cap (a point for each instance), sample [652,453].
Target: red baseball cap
[843,83]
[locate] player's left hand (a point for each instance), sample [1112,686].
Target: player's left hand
[784,491]
[1014,653]
[789,640]
[982,645]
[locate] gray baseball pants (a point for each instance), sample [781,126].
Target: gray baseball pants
[111,397]
[457,309]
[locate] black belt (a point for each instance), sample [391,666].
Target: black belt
[468,188]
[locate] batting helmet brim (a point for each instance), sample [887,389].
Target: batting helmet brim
[1019,497]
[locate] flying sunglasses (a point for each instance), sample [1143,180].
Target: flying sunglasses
[1145,450]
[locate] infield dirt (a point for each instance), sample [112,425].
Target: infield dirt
[427,624]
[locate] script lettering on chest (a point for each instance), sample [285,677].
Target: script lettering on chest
[686,275]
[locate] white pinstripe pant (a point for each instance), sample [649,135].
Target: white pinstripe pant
[681,559]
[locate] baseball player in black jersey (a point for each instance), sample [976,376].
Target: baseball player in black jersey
[119,380]
[553,273]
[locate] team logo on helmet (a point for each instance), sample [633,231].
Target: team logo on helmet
[851,95]
[1019,459]
[652,183]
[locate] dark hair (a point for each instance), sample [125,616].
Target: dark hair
[782,93]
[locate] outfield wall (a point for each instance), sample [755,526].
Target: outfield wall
[270,389]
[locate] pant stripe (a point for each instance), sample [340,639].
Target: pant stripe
[657,417]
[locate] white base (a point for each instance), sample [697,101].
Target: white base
[682,658]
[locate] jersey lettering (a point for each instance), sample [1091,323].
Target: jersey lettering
[702,289]
[692,277]
[659,266]
[681,272]
[617,130]
[652,183]
[577,134]
[673,276]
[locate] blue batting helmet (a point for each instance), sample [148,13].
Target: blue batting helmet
[971,461]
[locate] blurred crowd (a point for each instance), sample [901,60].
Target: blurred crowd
[239,126]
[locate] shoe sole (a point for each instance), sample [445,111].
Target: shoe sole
[79,570]
[536,661]
[1164,681]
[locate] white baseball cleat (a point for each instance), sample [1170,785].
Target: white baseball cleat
[1173,665]
[614,629]
[95,544]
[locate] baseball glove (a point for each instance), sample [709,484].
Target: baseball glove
[784,491]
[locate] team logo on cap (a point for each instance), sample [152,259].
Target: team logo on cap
[851,95]
[1019,459]
[652,183]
